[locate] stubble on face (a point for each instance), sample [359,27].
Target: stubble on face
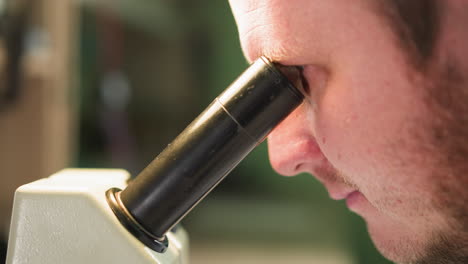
[447,99]
[443,137]
[441,141]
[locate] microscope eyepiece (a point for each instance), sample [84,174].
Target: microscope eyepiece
[207,150]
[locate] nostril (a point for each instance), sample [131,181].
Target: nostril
[289,156]
[298,168]
[281,162]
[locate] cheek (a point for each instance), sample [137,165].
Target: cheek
[345,131]
[363,126]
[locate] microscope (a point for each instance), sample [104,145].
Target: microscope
[101,216]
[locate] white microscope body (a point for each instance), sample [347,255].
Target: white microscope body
[66,218]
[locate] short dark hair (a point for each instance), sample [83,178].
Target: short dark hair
[416,24]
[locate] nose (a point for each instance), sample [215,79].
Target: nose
[292,146]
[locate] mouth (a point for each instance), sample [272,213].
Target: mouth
[352,197]
[337,185]
[343,195]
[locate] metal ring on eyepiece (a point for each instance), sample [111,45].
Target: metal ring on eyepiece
[126,219]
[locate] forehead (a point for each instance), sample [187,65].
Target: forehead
[414,23]
[296,27]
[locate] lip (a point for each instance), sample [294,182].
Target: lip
[340,195]
[336,186]
[353,199]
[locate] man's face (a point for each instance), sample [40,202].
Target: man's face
[366,130]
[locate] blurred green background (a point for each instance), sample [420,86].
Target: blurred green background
[147,68]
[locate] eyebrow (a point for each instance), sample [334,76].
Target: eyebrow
[416,24]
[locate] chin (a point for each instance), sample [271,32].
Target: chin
[397,243]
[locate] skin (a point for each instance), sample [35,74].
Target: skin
[367,129]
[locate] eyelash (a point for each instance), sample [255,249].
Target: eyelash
[304,82]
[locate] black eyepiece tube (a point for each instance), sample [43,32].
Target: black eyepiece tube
[208,149]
